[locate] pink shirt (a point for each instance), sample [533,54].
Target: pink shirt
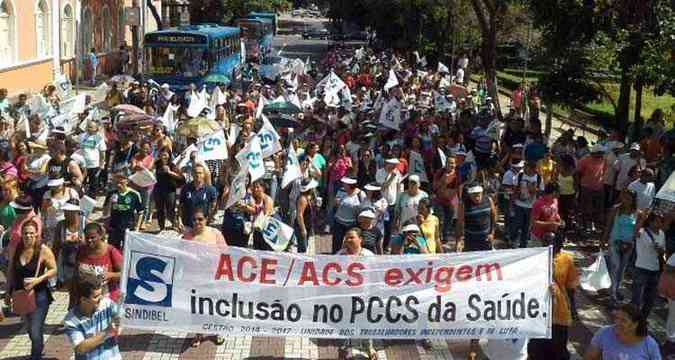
[340,168]
[218,238]
[591,172]
[544,209]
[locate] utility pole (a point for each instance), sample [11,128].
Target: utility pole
[134,39]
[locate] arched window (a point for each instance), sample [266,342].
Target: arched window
[107,30]
[7,33]
[67,24]
[42,28]
[87,31]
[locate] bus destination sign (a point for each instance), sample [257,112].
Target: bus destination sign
[176,38]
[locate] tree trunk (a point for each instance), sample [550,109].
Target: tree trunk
[549,119]
[638,97]
[489,55]
[623,104]
[155,14]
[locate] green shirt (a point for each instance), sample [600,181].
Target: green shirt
[7,216]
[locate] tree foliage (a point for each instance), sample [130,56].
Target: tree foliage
[226,11]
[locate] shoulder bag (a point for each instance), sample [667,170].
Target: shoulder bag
[23,300]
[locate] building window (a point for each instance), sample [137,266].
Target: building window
[42,28]
[7,33]
[67,41]
[87,32]
[107,30]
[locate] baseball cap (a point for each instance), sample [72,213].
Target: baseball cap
[414,178]
[475,189]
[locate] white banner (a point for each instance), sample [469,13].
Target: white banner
[213,146]
[199,288]
[391,114]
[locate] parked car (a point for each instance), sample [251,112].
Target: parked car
[322,34]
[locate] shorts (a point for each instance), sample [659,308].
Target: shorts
[591,201]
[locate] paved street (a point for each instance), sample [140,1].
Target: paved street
[170,344]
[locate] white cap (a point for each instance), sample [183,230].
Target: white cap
[70,207]
[517,146]
[598,148]
[635,146]
[475,189]
[55,182]
[349,181]
[414,178]
[165,86]
[309,186]
[392,161]
[367,214]
[410,228]
[519,164]
[372,187]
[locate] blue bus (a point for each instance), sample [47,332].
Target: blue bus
[266,15]
[258,35]
[191,54]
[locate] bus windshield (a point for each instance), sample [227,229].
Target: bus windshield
[181,62]
[249,30]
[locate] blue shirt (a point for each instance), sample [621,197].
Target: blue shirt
[192,198]
[80,327]
[613,349]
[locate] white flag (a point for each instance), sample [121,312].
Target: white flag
[417,166]
[237,188]
[242,46]
[250,158]
[444,158]
[442,68]
[392,81]
[423,62]
[183,159]
[276,233]
[292,170]
[218,97]
[360,52]
[233,134]
[38,105]
[331,83]
[269,139]
[261,104]
[79,105]
[169,118]
[212,147]
[197,104]
[26,124]
[391,114]
[308,65]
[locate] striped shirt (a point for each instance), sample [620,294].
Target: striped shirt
[80,327]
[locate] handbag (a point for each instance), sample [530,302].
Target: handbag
[23,300]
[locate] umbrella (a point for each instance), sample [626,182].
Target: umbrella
[458,91]
[135,121]
[217,79]
[129,109]
[285,121]
[198,127]
[122,78]
[282,107]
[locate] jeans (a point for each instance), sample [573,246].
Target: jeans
[165,203]
[145,200]
[645,284]
[445,214]
[618,260]
[35,322]
[92,182]
[520,222]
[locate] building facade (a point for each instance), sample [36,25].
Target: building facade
[40,39]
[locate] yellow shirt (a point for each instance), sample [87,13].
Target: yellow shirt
[565,276]
[546,168]
[429,227]
[566,185]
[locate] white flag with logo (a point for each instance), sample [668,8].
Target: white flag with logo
[392,81]
[213,146]
[331,84]
[250,157]
[442,68]
[276,233]
[262,101]
[292,170]
[417,166]
[391,114]
[269,139]
[218,97]
[237,188]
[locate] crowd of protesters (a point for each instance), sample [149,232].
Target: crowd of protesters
[484,183]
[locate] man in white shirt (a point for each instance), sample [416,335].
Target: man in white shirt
[644,188]
[93,147]
[625,163]
[406,207]
[390,180]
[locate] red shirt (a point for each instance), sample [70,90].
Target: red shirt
[591,172]
[544,209]
[94,265]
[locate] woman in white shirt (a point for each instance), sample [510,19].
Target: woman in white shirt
[650,246]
